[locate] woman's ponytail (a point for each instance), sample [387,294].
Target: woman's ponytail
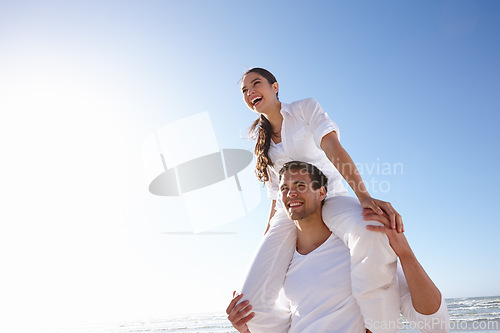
[261,131]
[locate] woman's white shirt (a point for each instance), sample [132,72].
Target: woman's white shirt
[305,123]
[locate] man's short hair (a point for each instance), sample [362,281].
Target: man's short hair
[318,179]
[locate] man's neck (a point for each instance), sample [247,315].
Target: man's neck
[311,233]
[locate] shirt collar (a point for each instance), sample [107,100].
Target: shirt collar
[285,108]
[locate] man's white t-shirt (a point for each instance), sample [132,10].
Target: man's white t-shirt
[318,287]
[318,291]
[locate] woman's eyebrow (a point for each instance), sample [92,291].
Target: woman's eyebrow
[250,82]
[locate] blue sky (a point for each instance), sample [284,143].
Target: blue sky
[83,84]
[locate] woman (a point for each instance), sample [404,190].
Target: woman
[303,131]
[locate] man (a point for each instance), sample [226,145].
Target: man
[318,282]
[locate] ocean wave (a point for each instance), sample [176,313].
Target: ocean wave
[469,311]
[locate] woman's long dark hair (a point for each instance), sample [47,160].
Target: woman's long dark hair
[261,131]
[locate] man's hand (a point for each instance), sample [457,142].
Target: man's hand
[239,315]
[381,208]
[397,240]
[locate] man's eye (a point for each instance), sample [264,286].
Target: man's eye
[283,189]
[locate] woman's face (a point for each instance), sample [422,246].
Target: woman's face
[258,93]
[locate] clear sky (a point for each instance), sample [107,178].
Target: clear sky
[413,86]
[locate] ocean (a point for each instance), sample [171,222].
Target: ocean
[470,314]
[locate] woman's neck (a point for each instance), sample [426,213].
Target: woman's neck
[275,118]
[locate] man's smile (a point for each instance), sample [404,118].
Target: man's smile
[294,204]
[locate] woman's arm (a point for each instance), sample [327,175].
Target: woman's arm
[345,165]
[271,214]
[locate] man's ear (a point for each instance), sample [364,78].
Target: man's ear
[322,193]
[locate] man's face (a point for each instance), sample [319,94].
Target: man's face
[298,195]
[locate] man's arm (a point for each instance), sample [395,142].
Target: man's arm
[421,301]
[425,296]
[239,315]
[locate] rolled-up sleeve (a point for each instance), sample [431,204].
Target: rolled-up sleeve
[318,120]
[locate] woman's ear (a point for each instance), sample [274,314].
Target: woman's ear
[276,87]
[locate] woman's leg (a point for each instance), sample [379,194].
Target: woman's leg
[373,263]
[266,276]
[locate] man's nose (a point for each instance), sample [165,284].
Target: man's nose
[292,193]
